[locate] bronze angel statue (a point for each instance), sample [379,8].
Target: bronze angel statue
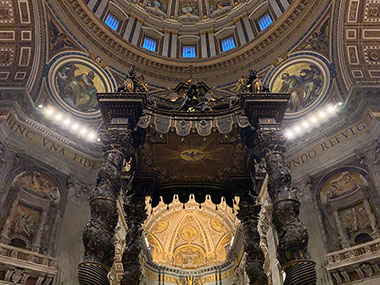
[250,84]
[132,83]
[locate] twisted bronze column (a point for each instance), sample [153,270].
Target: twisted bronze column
[248,215]
[135,215]
[292,234]
[98,234]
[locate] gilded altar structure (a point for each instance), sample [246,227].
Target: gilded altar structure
[201,142]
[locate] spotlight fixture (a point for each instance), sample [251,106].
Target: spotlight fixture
[289,134]
[58,117]
[313,121]
[49,111]
[331,109]
[67,122]
[92,136]
[83,131]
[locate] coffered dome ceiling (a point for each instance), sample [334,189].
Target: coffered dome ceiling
[166,65]
[193,237]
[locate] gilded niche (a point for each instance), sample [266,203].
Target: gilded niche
[345,195]
[342,183]
[31,212]
[38,184]
[190,238]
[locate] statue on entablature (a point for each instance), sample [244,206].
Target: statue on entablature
[132,83]
[195,96]
[251,84]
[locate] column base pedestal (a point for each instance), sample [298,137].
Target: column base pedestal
[301,273]
[91,273]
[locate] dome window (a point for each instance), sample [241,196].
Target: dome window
[188,51]
[150,44]
[228,43]
[264,21]
[112,22]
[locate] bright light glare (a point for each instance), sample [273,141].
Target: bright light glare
[91,136]
[331,109]
[67,122]
[289,134]
[83,131]
[313,119]
[322,114]
[232,241]
[49,111]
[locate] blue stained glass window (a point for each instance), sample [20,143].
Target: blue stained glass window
[265,21]
[149,44]
[228,43]
[188,51]
[112,22]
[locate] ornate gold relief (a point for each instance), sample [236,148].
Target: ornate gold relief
[190,280]
[192,154]
[161,225]
[342,183]
[190,238]
[189,233]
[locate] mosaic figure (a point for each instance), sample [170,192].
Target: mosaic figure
[303,81]
[77,86]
